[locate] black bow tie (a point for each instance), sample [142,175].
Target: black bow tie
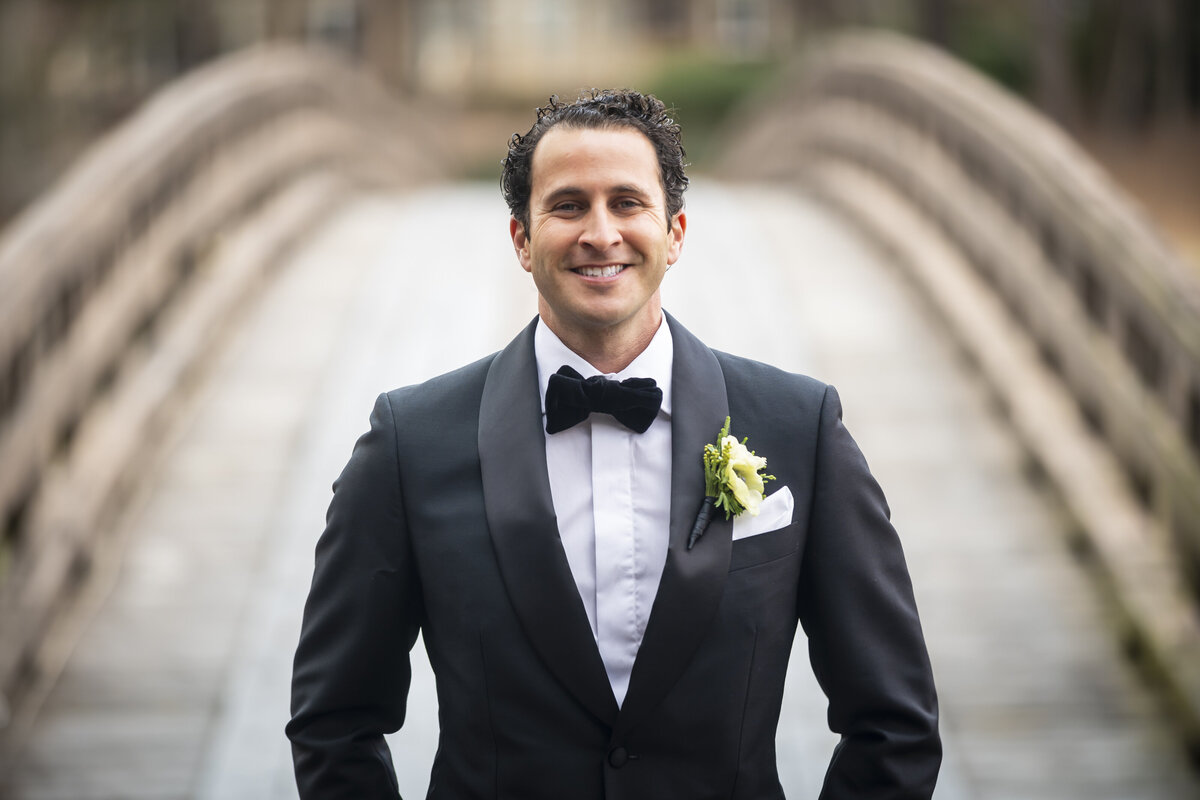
[634,402]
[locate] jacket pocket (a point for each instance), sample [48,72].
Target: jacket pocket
[764,547]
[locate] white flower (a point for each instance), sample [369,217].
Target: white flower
[732,480]
[741,474]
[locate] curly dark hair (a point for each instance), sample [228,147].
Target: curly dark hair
[599,108]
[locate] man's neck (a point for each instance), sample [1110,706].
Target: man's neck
[609,350]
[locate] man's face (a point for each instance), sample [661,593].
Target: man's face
[598,243]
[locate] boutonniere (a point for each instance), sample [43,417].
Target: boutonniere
[733,481]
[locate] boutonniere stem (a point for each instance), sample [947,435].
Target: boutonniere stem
[702,520]
[733,481]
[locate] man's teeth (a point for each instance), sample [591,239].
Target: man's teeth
[601,272]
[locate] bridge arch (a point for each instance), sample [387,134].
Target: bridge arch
[898,134]
[119,255]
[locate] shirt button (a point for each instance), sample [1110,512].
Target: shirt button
[617,757]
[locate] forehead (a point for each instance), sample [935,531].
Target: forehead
[590,158]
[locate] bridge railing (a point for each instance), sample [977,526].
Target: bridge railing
[1111,311]
[93,277]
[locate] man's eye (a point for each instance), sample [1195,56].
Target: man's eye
[567,207]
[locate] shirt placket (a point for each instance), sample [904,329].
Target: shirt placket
[616,552]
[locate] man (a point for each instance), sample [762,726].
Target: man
[585,643]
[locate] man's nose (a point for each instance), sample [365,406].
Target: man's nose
[600,230]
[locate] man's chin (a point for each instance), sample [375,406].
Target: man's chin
[604,323]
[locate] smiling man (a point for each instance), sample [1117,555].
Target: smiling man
[607,598]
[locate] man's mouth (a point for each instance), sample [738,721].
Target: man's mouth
[606,271]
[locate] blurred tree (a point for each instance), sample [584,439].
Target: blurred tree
[196,36]
[934,20]
[1053,84]
[1137,61]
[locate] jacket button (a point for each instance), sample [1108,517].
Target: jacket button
[617,757]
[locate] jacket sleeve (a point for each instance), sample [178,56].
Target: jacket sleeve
[351,674]
[865,643]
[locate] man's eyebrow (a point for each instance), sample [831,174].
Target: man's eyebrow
[630,188]
[561,192]
[574,191]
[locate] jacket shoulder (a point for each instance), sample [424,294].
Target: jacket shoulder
[775,388]
[453,395]
[765,401]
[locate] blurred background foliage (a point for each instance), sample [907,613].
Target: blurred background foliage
[1123,78]
[702,90]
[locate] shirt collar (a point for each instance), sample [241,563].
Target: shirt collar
[655,361]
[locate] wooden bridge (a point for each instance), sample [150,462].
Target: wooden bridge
[194,324]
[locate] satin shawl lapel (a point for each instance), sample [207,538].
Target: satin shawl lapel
[524,529]
[692,580]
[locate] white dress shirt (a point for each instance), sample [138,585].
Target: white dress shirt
[612,496]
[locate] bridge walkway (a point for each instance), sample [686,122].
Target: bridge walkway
[174,668]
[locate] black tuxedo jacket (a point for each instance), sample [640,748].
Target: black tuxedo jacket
[442,521]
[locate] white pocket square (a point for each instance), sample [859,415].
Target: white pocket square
[774,512]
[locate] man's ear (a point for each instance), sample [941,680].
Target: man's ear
[520,242]
[675,236]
